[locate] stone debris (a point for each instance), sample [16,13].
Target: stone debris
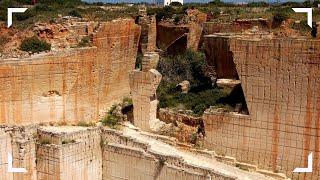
[228,83]
[184,86]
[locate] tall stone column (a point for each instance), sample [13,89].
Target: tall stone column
[143,85]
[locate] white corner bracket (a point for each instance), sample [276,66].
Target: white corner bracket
[14,10]
[14,170]
[307,169]
[305,10]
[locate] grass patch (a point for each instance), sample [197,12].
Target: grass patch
[85,42]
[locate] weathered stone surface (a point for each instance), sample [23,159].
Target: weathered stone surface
[71,153]
[219,56]
[148,36]
[143,85]
[150,61]
[135,155]
[176,38]
[184,86]
[70,86]
[280,79]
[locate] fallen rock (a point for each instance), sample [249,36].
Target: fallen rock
[184,86]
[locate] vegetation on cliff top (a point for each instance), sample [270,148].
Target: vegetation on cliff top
[34,45]
[47,10]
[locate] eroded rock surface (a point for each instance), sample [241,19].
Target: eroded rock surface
[72,85]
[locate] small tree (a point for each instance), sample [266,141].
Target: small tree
[34,45]
[279,17]
[175,3]
[75,13]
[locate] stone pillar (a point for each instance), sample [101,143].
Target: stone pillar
[148,35]
[143,85]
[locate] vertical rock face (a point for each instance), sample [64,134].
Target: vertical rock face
[143,86]
[176,38]
[148,36]
[280,79]
[71,86]
[219,56]
[196,23]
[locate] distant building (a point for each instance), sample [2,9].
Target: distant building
[168,2]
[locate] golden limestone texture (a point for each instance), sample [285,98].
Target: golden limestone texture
[281,83]
[148,36]
[70,86]
[69,153]
[143,86]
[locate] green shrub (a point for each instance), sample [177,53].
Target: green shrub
[258,4]
[279,16]
[127,101]
[110,119]
[178,18]
[85,42]
[43,7]
[138,64]
[75,13]
[217,3]
[292,4]
[26,15]
[165,13]
[215,12]
[34,45]
[188,66]
[175,3]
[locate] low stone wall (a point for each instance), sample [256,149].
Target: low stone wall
[69,155]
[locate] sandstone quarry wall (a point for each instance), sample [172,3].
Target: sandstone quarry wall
[73,155]
[70,86]
[280,79]
[121,162]
[168,34]
[219,56]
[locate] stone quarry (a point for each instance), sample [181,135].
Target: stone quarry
[45,96]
